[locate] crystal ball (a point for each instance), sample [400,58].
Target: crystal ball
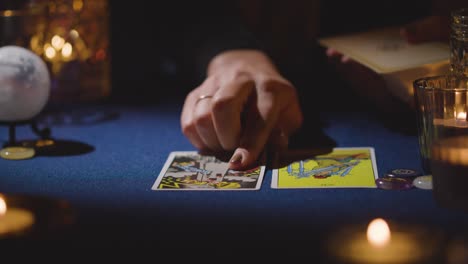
[24,84]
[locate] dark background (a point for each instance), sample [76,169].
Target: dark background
[160,50]
[158,53]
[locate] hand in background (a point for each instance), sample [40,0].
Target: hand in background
[373,86]
[246,105]
[364,81]
[432,28]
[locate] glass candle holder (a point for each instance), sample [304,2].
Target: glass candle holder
[75,45]
[459,42]
[20,21]
[71,36]
[441,107]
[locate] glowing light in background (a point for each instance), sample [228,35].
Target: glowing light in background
[461,115]
[77,5]
[67,50]
[3,207]
[49,52]
[74,34]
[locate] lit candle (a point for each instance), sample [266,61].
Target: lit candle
[14,221]
[458,121]
[380,244]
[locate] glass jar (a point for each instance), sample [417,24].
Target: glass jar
[20,21]
[75,46]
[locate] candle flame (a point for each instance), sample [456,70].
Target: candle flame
[50,52]
[67,50]
[57,42]
[378,233]
[461,116]
[3,206]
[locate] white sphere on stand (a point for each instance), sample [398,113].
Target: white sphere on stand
[24,84]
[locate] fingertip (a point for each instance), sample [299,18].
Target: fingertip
[331,52]
[236,158]
[242,159]
[345,59]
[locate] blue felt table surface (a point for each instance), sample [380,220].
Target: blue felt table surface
[131,147]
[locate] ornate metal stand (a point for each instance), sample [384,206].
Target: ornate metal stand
[44,133]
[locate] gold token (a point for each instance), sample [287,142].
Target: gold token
[44,142]
[17,153]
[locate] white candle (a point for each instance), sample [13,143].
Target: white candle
[14,221]
[380,244]
[458,121]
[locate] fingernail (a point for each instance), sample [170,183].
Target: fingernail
[236,158]
[345,59]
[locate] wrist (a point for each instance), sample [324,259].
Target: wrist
[245,60]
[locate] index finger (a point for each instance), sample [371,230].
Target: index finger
[261,117]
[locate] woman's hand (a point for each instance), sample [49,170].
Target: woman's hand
[243,105]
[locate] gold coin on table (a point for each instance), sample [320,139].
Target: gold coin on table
[44,142]
[17,153]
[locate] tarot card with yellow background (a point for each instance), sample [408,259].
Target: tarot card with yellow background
[341,168]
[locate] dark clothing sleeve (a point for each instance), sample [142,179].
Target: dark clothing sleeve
[207,28]
[164,51]
[208,39]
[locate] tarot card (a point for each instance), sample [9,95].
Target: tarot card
[340,168]
[189,170]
